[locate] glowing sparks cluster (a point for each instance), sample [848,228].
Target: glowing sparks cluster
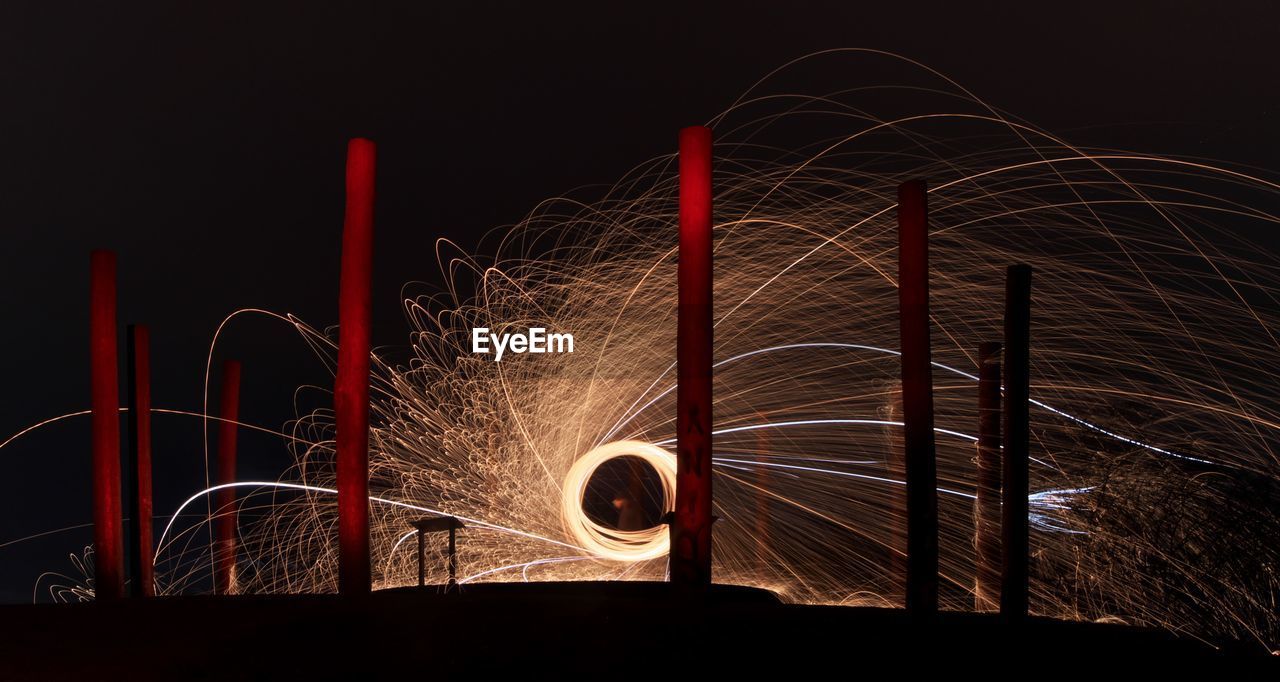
[1154,431]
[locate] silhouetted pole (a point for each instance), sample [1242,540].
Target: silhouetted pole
[422,559]
[917,400]
[108,543]
[691,527]
[141,551]
[453,556]
[351,386]
[986,503]
[224,578]
[1015,582]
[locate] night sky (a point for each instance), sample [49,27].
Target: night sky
[206,144]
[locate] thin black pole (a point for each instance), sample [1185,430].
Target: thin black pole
[422,560]
[917,400]
[453,555]
[986,503]
[1015,583]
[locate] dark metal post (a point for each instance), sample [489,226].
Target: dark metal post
[224,577]
[917,400]
[141,551]
[986,503]
[1015,582]
[453,555]
[422,558]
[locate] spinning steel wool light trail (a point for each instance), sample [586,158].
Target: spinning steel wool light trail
[1154,427]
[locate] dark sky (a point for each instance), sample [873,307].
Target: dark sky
[205,144]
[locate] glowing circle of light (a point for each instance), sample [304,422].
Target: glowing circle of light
[610,543]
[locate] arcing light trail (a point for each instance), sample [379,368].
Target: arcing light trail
[1155,435]
[654,456]
[334,491]
[937,365]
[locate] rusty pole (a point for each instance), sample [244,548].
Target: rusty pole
[351,385]
[104,377]
[1015,524]
[224,577]
[986,503]
[691,527]
[141,551]
[917,400]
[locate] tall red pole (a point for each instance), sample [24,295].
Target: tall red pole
[108,538]
[224,579]
[917,400]
[1015,523]
[141,551]
[351,386]
[691,526]
[986,503]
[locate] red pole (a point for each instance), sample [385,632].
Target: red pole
[224,579]
[141,552]
[986,504]
[108,542]
[917,400]
[1015,524]
[691,528]
[351,386]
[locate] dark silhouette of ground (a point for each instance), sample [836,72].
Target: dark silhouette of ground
[559,630]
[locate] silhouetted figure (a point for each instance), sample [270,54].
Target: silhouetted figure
[631,514]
